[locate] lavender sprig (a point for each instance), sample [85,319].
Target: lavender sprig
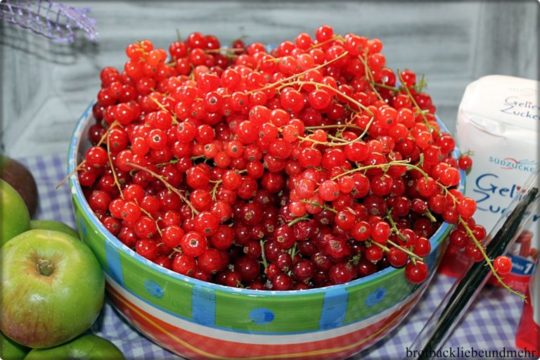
[54,20]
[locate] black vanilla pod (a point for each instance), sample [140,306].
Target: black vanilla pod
[469,285]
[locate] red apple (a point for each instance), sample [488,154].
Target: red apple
[22,180]
[52,288]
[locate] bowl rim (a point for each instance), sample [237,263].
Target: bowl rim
[77,195]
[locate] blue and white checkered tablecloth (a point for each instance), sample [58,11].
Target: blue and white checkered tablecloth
[490,324]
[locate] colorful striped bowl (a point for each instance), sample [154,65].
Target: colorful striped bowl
[201,320]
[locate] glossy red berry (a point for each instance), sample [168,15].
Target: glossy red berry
[324,33]
[374,253]
[465,162]
[341,273]
[184,264]
[380,232]
[466,207]
[417,272]
[96,157]
[211,261]
[282,282]
[329,190]
[147,248]
[397,258]
[172,236]
[502,265]
[422,247]
[193,244]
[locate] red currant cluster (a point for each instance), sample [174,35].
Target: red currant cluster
[305,166]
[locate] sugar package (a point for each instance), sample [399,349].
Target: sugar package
[497,126]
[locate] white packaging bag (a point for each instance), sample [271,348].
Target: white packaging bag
[497,125]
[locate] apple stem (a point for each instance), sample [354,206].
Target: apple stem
[45,267]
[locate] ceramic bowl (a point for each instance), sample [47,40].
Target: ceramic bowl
[201,320]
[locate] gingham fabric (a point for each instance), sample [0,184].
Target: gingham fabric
[490,324]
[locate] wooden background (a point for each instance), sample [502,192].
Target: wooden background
[46,86]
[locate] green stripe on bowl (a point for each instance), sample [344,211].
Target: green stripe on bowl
[268,314]
[169,294]
[91,236]
[376,296]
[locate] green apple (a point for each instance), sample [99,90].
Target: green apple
[53,225]
[86,347]
[10,350]
[52,288]
[14,215]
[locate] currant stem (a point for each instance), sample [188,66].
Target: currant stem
[167,185]
[324,207]
[367,127]
[297,220]
[106,135]
[162,107]
[173,161]
[263,256]
[385,166]
[369,75]
[419,87]
[151,217]
[333,126]
[328,87]
[81,164]
[345,142]
[294,76]
[488,261]
[401,236]
[225,49]
[405,250]
[305,138]
[342,142]
[333,38]
[384,86]
[113,171]
[413,100]
[419,169]
[214,189]
[64,180]
[293,251]
[384,248]
[430,216]
[394,227]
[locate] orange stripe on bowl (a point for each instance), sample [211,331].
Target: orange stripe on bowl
[202,347]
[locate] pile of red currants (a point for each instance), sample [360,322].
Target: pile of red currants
[309,165]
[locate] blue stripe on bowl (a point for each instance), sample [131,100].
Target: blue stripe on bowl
[203,306]
[114,263]
[334,308]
